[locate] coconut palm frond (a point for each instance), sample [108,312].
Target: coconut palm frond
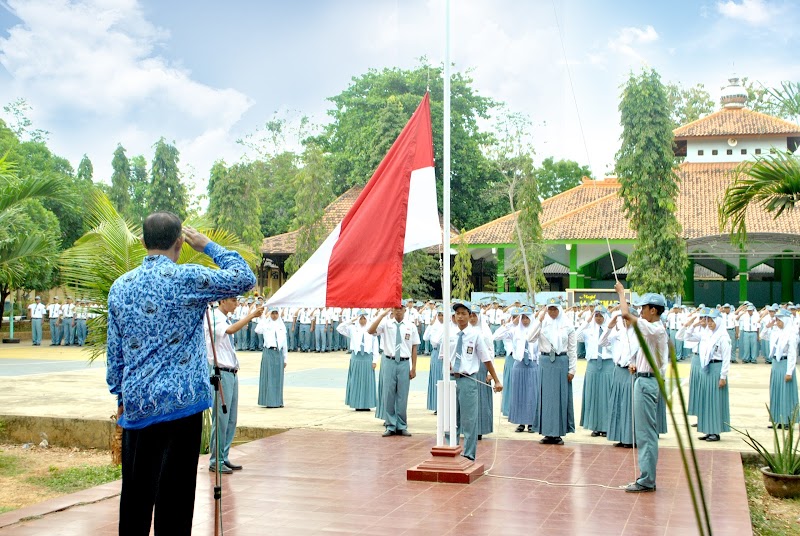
[224,238]
[772,181]
[14,189]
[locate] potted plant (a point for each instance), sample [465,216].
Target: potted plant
[782,473]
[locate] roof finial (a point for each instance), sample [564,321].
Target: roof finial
[734,96]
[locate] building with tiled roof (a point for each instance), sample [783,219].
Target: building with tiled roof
[577,223]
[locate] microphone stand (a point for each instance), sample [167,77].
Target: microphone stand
[219,400]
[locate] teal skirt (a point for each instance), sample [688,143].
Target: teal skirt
[596,394]
[556,411]
[485,403]
[270,381]
[714,413]
[505,403]
[620,414]
[434,375]
[360,392]
[694,380]
[782,394]
[525,401]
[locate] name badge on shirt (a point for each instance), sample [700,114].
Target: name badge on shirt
[469,350]
[408,336]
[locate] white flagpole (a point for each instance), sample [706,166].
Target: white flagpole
[445,400]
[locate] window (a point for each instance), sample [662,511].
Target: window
[729,151]
[744,151]
[700,152]
[714,152]
[758,151]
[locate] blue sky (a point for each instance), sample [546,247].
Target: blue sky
[206,73]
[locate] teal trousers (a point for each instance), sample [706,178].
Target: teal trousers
[645,403]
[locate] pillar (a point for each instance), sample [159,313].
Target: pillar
[787,277]
[573,266]
[501,269]
[688,283]
[742,278]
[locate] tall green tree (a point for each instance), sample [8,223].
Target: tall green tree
[688,104]
[277,195]
[462,270]
[554,177]
[421,271]
[313,185]
[85,171]
[120,194]
[20,123]
[234,202]
[140,190]
[368,115]
[167,192]
[649,186]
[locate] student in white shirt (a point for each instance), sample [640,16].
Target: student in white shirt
[360,392]
[36,312]
[748,335]
[434,333]
[53,315]
[273,360]
[400,342]
[524,408]
[599,371]
[624,345]
[220,336]
[783,380]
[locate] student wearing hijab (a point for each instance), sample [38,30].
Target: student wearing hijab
[524,407]
[558,362]
[434,333]
[485,398]
[624,345]
[273,360]
[691,332]
[360,393]
[713,416]
[599,369]
[783,381]
[508,364]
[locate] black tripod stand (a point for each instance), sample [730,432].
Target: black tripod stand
[219,401]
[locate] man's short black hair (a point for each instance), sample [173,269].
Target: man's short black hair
[161,230]
[659,308]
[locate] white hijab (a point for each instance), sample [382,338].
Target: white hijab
[782,338]
[709,340]
[556,330]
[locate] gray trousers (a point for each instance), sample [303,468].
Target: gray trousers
[81,331]
[467,414]
[645,418]
[55,332]
[395,392]
[304,343]
[68,331]
[36,330]
[748,346]
[227,421]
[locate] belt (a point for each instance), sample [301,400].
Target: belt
[226,369]
[392,357]
[716,361]
[623,366]
[271,347]
[781,358]
[645,375]
[461,375]
[548,354]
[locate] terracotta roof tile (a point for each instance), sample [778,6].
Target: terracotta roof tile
[600,215]
[736,122]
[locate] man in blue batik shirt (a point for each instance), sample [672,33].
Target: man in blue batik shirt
[157,369]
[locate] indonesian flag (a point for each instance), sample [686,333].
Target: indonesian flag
[360,264]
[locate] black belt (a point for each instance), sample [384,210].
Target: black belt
[548,354]
[781,358]
[461,375]
[645,375]
[623,366]
[226,369]
[716,361]
[392,358]
[271,347]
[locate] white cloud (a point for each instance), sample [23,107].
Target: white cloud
[95,62]
[629,41]
[753,12]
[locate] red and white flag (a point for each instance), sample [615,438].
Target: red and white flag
[360,264]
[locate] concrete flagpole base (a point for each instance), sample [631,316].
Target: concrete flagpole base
[447,466]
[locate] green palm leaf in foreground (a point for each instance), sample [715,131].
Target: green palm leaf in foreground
[772,181]
[110,249]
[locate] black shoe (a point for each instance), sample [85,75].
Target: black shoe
[387,433]
[635,487]
[546,440]
[520,428]
[435,412]
[230,465]
[558,441]
[595,434]
[603,434]
[713,437]
[404,433]
[620,444]
[480,436]
[703,437]
[222,469]
[694,425]
[626,445]
[530,429]
[362,409]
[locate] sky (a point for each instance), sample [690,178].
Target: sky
[204,74]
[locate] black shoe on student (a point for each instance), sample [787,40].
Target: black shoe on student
[404,433]
[222,469]
[230,465]
[694,425]
[713,437]
[603,434]
[387,433]
[704,437]
[530,429]
[520,428]
[595,434]
[635,487]
[480,436]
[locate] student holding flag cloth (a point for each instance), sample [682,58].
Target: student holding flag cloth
[360,392]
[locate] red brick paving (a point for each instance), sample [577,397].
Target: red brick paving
[311,482]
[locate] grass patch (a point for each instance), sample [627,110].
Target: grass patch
[4,509]
[77,478]
[9,465]
[769,516]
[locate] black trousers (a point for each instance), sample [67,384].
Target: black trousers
[159,469]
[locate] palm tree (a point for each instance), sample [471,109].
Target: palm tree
[772,181]
[17,247]
[112,248]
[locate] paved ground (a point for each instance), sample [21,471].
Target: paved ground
[59,382]
[311,482]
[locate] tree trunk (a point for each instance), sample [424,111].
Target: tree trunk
[4,292]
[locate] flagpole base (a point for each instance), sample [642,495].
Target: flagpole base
[446,466]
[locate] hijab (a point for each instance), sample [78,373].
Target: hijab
[709,340]
[554,329]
